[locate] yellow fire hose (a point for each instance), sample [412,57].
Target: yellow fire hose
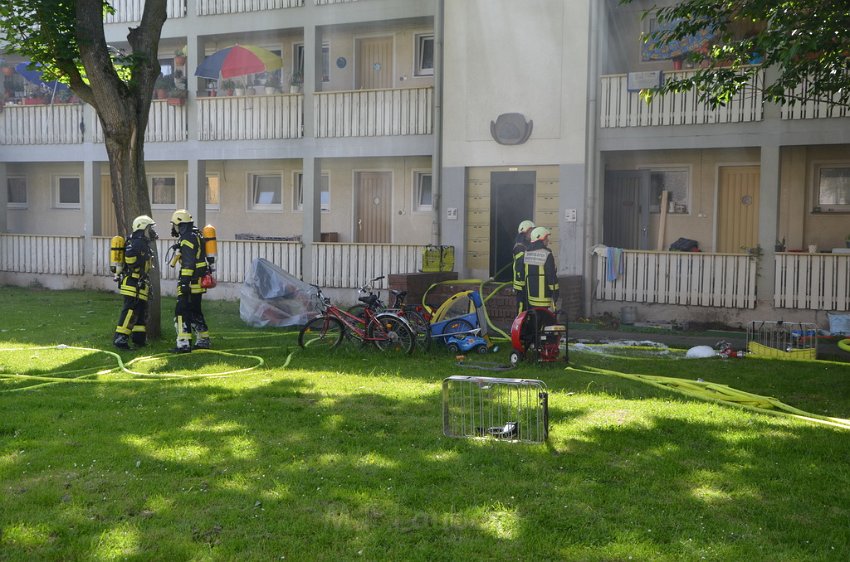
[722,394]
[844,344]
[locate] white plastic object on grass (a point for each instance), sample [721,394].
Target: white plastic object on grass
[701,352]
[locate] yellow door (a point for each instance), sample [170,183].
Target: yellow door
[108,222]
[372,223]
[737,208]
[374,63]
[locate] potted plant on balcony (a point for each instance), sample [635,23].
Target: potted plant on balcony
[6,69]
[228,86]
[163,85]
[179,57]
[295,82]
[272,85]
[177,96]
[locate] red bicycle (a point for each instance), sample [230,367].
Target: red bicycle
[415,315]
[387,331]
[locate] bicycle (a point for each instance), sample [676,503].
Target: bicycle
[414,314]
[387,331]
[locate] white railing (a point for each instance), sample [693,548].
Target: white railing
[278,116]
[369,113]
[352,265]
[620,107]
[328,2]
[232,264]
[812,281]
[166,123]
[213,7]
[30,253]
[41,124]
[813,109]
[685,278]
[131,10]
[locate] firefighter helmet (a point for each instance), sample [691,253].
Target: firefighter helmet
[180,216]
[525,226]
[540,233]
[142,221]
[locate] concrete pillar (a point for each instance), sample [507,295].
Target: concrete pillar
[91,211]
[311,166]
[453,214]
[768,220]
[4,198]
[196,192]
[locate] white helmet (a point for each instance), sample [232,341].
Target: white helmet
[540,233]
[181,216]
[142,221]
[525,226]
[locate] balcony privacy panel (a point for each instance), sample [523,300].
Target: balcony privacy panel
[352,265]
[622,108]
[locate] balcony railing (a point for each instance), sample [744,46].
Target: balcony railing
[352,265]
[131,10]
[278,116]
[215,7]
[42,124]
[684,278]
[812,109]
[620,107]
[49,255]
[166,123]
[812,281]
[336,265]
[370,113]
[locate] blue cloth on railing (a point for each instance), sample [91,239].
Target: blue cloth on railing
[614,263]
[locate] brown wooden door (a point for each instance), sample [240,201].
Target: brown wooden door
[737,208]
[374,63]
[626,210]
[373,221]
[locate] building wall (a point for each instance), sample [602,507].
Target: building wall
[41,216]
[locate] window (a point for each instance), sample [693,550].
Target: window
[163,190]
[673,180]
[298,60]
[265,192]
[425,55]
[299,192]
[17,190]
[213,193]
[67,192]
[832,183]
[422,192]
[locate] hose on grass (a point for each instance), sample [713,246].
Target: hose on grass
[722,394]
[124,367]
[844,344]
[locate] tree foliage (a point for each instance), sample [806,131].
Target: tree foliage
[66,38]
[804,46]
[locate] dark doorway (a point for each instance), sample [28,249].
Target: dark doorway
[626,214]
[511,202]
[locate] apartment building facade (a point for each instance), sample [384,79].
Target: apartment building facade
[447,122]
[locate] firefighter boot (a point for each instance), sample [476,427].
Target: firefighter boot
[121,341]
[202,343]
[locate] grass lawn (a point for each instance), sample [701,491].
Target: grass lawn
[270,452]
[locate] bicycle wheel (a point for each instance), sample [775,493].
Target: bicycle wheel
[391,333]
[322,332]
[458,327]
[421,329]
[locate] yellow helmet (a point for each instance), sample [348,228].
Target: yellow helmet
[180,216]
[540,233]
[525,226]
[142,221]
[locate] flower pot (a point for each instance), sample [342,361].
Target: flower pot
[179,60]
[239,91]
[295,89]
[270,90]
[7,70]
[176,101]
[161,93]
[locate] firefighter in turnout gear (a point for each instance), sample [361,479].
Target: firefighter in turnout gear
[523,239]
[541,276]
[190,254]
[132,276]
